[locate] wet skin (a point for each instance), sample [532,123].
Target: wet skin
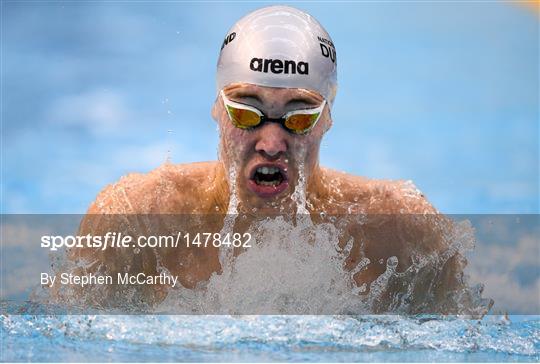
[204,188]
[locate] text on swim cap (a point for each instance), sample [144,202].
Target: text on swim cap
[278,66]
[229,38]
[327,49]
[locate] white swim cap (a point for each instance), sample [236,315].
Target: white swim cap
[279,46]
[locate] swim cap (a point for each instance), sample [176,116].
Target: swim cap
[279,46]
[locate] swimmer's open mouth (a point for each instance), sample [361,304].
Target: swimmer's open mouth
[268,180]
[268,176]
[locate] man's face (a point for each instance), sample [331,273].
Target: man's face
[268,162]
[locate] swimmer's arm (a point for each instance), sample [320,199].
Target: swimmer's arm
[109,213]
[98,220]
[433,236]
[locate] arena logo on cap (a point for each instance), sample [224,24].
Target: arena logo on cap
[278,66]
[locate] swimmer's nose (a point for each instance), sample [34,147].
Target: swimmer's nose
[272,140]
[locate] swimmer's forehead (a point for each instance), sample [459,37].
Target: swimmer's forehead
[265,93]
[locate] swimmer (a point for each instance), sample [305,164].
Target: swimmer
[276,85]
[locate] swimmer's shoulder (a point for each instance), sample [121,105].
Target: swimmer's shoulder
[379,196]
[399,197]
[168,189]
[386,200]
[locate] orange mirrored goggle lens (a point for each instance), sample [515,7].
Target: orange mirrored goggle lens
[301,123]
[243,118]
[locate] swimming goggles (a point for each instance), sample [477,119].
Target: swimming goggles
[296,121]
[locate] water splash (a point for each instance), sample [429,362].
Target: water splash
[226,252]
[168,158]
[299,194]
[280,273]
[297,267]
[268,338]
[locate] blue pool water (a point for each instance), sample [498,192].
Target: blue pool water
[268,338]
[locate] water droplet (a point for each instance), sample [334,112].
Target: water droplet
[362,288]
[392,262]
